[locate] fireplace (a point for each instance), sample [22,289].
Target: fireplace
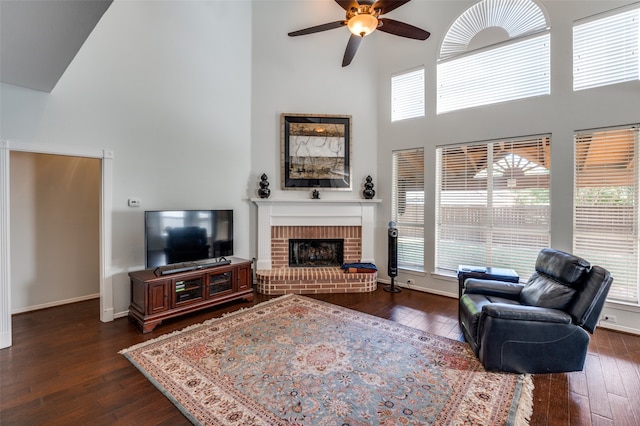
[313,253]
[284,239]
[279,221]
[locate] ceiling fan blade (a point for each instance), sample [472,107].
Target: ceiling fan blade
[347,4]
[387,6]
[318,28]
[352,48]
[401,29]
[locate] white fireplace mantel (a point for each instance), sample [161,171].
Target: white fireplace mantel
[310,212]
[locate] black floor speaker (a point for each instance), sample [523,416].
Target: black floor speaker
[392,257]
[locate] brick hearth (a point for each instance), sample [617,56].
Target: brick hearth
[314,280]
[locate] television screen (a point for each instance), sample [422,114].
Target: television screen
[175,236]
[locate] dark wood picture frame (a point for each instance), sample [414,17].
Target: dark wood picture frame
[316,151]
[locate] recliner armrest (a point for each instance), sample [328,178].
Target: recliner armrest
[493,288]
[526,313]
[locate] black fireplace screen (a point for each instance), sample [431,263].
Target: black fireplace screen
[310,253]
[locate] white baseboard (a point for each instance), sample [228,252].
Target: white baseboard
[5,340]
[55,303]
[419,288]
[120,314]
[621,328]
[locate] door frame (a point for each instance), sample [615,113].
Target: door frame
[106,205]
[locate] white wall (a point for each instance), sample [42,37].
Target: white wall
[304,75]
[55,229]
[166,86]
[560,114]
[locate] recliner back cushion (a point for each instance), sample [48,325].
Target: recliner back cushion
[587,305]
[545,292]
[563,267]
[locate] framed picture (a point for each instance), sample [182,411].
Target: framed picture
[316,151]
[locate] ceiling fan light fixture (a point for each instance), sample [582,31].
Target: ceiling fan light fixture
[363,24]
[362,18]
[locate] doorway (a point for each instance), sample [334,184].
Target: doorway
[105,208]
[55,222]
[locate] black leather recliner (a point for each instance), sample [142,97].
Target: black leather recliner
[542,326]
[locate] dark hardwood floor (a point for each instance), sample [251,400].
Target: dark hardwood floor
[64,367]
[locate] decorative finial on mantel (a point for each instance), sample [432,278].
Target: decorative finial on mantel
[264,190]
[368,192]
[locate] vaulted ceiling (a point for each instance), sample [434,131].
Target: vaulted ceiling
[40,38]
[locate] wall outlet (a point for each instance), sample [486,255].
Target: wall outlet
[610,318]
[410,282]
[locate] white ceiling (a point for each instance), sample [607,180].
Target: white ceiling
[40,38]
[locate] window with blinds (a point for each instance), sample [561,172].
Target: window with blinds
[492,204]
[606,49]
[514,71]
[407,95]
[606,205]
[407,207]
[509,61]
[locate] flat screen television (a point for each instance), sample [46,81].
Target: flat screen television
[177,236]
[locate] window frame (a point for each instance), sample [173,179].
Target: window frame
[511,71]
[600,196]
[606,48]
[517,67]
[409,216]
[408,95]
[486,222]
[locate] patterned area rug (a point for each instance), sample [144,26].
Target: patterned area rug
[298,361]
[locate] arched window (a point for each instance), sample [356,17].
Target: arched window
[496,51]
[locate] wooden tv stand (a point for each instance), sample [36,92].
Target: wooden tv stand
[157,297]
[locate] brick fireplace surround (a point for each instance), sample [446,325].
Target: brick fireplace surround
[281,220]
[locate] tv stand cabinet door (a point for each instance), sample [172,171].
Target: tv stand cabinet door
[243,277]
[148,298]
[157,297]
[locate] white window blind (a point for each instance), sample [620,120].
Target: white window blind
[516,17]
[515,70]
[407,207]
[606,50]
[407,95]
[492,204]
[606,205]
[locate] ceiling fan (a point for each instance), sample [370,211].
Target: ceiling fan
[362,18]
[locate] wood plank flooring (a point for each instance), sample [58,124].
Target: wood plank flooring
[64,367]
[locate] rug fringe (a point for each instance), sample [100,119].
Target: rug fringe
[525,405]
[209,321]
